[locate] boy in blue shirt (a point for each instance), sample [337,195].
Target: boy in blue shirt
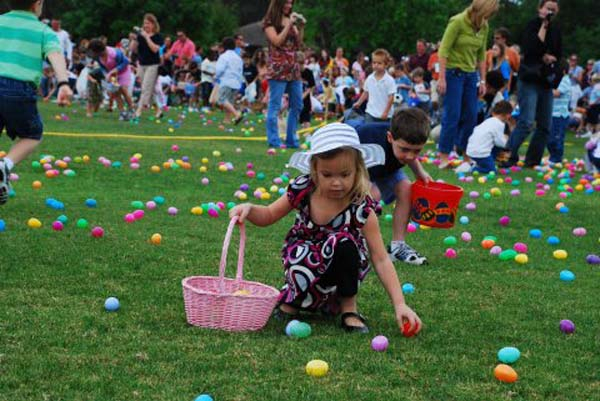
[403,140]
[26,42]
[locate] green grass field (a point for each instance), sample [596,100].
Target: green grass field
[58,343]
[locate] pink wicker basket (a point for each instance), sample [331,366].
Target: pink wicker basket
[228,304]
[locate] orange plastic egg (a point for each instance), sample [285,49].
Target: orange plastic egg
[505,373]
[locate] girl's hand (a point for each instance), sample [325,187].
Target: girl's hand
[404,313]
[241,211]
[425,177]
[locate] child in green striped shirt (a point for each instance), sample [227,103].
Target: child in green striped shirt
[24,43]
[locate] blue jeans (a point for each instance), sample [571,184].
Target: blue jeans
[484,164]
[276,90]
[459,116]
[18,110]
[556,141]
[535,105]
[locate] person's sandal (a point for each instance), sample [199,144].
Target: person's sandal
[354,329]
[283,316]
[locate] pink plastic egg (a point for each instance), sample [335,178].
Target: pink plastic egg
[97,232]
[520,247]
[58,226]
[466,236]
[139,214]
[150,205]
[450,253]
[504,221]
[129,218]
[496,250]
[172,211]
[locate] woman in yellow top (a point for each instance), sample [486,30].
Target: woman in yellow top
[462,71]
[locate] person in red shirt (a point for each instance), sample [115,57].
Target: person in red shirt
[183,50]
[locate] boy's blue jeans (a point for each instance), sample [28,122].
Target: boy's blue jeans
[459,116]
[276,90]
[535,105]
[18,110]
[556,141]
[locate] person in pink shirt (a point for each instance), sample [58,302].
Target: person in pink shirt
[117,72]
[183,50]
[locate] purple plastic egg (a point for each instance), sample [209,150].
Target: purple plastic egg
[495,250]
[379,343]
[172,211]
[567,326]
[593,259]
[504,221]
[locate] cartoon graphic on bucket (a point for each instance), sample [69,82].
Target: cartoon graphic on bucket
[435,204]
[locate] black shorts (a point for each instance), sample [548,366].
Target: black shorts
[305,115]
[18,110]
[592,114]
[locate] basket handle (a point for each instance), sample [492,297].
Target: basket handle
[240,265]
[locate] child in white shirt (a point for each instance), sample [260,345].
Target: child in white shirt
[487,137]
[379,89]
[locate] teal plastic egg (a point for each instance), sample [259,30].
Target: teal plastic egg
[509,355]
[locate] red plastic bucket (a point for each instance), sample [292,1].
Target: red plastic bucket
[434,204]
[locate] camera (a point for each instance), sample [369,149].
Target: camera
[549,16]
[137,29]
[299,18]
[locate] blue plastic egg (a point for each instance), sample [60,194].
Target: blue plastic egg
[552,240]
[2,226]
[408,288]
[111,304]
[535,233]
[567,275]
[91,203]
[464,220]
[159,200]
[290,326]
[63,219]
[204,397]
[564,209]
[509,355]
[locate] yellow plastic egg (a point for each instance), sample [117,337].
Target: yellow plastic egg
[317,368]
[203,169]
[197,210]
[156,239]
[560,254]
[86,159]
[274,188]
[495,191]
[499,181]
[171,130]
[222,168]
[265,196]
[424,227]
[155,169]
[216,153]
[522,258]
[243,196]
[138,156]
[481,180]
[34,223]
[204,160]
[579,187]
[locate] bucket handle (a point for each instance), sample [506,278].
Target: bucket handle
[240,264]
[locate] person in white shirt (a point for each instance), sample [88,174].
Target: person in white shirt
[208,69]
[487,138]
[230,75]
[379,89]
[65,41]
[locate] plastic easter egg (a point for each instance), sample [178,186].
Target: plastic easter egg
[552,240]
[213,213]
[515,192]
[505,373]
[466,236]
[139,214]
[58,226]
[34,223]
[411,228]
[197,211]
[463,220]
[564,210]
[495,250]
[260,176]
[150,205]
[509,355]
[97,232]
[408,288]
[522,258]
[82,223]
[567,326]
[567,275]
[301,330]
[112,304]
[471,206]
[159,200]
[2,226]
[91,203]
[579,232]
[450,253]
[450,240]
[216,153]
[36,185]
[129,218]
[380,343]
[156,239]
[488,243]
[155,169]
[535,233]
[406,331]
[560,254]
[172,211]
[474,194]
[63,219]
[289,327]
[204,397]
[508,254]
[593,259]
[317,368]
[205,181]
[137,204]
[504,221]
[520,247]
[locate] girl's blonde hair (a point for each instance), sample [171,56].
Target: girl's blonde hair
[361,186]
[152,18]
[480,11]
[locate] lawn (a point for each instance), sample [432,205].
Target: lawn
[58,343]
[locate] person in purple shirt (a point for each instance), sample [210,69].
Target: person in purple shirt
[420,58]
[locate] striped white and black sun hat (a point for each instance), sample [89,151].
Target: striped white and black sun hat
[334,136]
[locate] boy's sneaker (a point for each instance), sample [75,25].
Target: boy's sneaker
[4,183]
[465,167]
[405,253]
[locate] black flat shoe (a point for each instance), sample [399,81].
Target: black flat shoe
[283,316]
[354,329]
